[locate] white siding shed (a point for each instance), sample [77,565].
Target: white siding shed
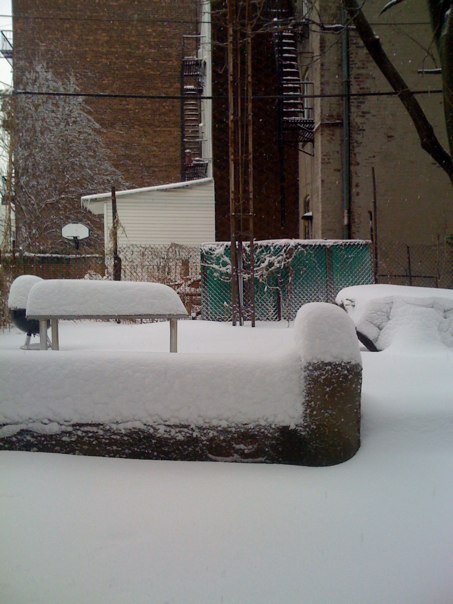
[181,213]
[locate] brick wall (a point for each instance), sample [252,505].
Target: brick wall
[120,47]
[268,175]
[413,194]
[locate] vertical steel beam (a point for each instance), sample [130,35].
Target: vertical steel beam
[249,109]
[346,109]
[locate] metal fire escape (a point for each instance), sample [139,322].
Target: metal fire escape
[295,95]
[6,45]
[193,164]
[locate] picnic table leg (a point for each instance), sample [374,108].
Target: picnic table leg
[43,334]
[54,333]
[173,335]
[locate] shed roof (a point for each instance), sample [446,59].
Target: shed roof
[87,199]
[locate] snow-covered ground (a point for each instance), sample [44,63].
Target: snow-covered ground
[376,529]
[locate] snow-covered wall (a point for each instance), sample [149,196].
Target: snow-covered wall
[195,389]
[310,401]
[324,333]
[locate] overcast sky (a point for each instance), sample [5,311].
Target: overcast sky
[5,23]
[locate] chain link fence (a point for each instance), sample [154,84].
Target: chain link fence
[287,274]
[175,265]
[46,266]
[172,264]
[419,265]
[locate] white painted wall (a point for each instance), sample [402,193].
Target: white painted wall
[181,213]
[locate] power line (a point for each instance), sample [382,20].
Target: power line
[137,19]
[134,19]
[177,97]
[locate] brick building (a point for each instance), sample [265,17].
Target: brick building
[413,195]
[136,48]
[304,182]
[275,165]
[115,47]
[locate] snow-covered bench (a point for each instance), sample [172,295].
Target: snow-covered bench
[301,407]
[56,299]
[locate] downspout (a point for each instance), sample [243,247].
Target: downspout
[346,147]
[206,55]
[181,114]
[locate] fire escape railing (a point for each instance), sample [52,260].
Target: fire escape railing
[296,103]
[193,164]
[6,45]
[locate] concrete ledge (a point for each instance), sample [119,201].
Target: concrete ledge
[332,412]
[318,401]
[328,433]
[245,443]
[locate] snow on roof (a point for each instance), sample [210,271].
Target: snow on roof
[75,298]
[175,185]
[18,294]
[211,245]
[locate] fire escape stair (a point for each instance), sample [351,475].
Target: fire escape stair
[296,108]
[192,90]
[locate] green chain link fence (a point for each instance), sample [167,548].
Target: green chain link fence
[287,274]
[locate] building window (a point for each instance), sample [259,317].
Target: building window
[307,219]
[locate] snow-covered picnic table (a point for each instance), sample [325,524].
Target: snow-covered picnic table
[56,299]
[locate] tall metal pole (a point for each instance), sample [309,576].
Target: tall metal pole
[281,132]
[346,150]
[240,125]
[375,228]
[232,119]
[239,164]
[250,161]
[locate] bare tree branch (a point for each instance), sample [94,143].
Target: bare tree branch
[59,156]
[428,139]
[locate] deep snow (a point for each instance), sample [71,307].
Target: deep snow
[409,318]
[377,529]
